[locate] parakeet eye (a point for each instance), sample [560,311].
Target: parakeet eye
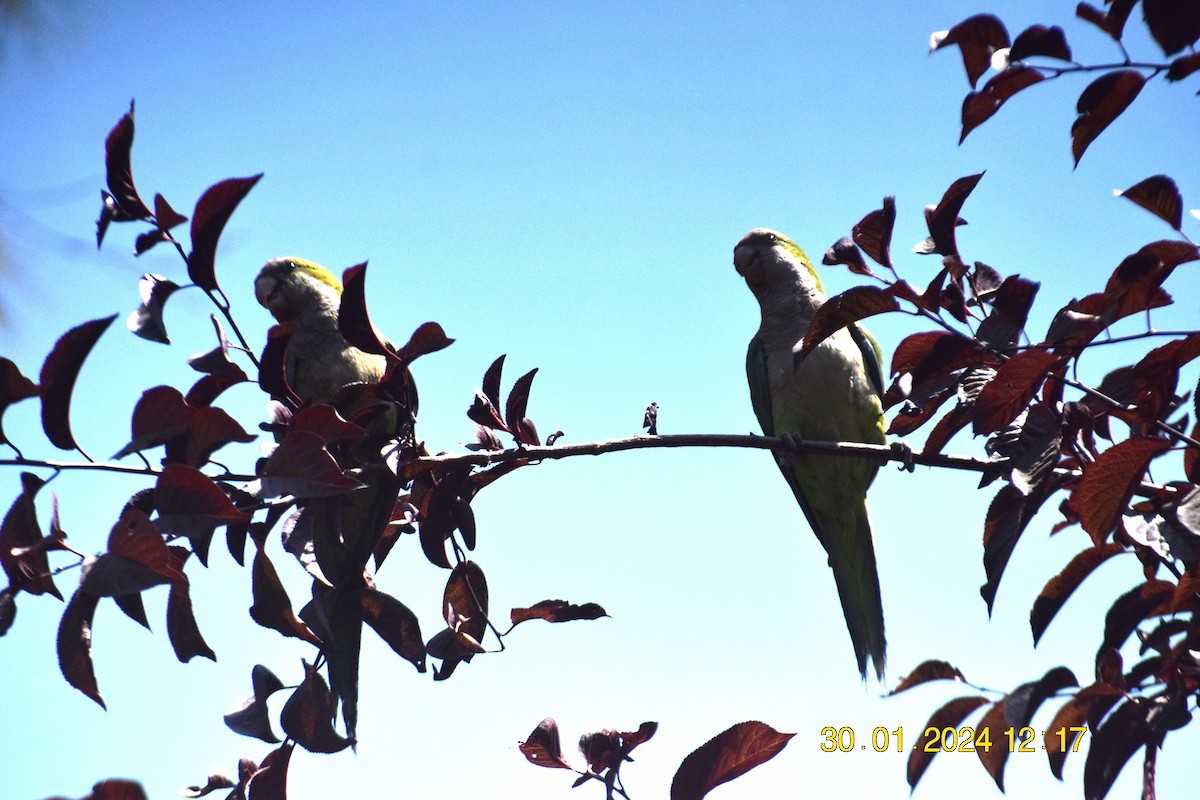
[772,238]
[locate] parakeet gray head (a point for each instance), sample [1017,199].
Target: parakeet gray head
[319,361]
[292,287]
[777,270]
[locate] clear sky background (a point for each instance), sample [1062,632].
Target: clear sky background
[564,183]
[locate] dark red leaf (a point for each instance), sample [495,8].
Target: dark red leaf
[427,338]
[1011,389]
[435,526]
[1072,327]
[8,608]
[1059,588]
[23,558]
[393,621]
[109,575]
[119,172]
[843,310]
[302,467]
[514,409]
[109,212]
[58,375]
[269,782]
[873,233]
[979,106]
[491,381]
[944,218]
[608,749]
[182,630]
[354,322]
[1155,378]
[216,362]
[1023,702]
[733,752]
[949,297]
[1174,24]
[644,733]
[251,717]
[75,644]
[132,606]
[1014,712]
[145,241]
[1191,457]
[190,504]
[922,403]
[977,37]
[601,750]
[992,727]
[1112,22]
[1107,484]
[1039,40]
[465,604]
[1102,102]
[191,435]
[118,577]
[137,539]
[272,608]
[932,354]
[1159,195]
[931,670]
[213,210]
[543,746]
[216,781]
[1151,599]
[325,422]
[307,715]
[526,432]
[210,387]
[272,370]
[1123,733]
[1007,518]
[485,414]
[1010,310]
[845,251]
[1149,266]
[165,216]
[1183,66]
[449,647]
[117,789]
[557,611]
[14,387]
[147,320]
[966,387]
[1085,708]
[948,716]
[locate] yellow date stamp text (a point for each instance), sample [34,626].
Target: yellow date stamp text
[964,739]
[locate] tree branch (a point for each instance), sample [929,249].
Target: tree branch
[845,449]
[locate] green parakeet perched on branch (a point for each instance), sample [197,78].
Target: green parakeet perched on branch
[319,360]
[833,395]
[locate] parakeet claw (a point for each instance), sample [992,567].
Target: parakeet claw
[791,446]
[904,454]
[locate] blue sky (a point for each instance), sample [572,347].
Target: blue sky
[564,183]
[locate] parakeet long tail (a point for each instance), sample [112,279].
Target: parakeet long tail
[852,558]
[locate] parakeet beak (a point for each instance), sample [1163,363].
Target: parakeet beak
[264,290]
[747,263]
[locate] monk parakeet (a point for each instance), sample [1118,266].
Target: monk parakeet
[832,395]
[319,360]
